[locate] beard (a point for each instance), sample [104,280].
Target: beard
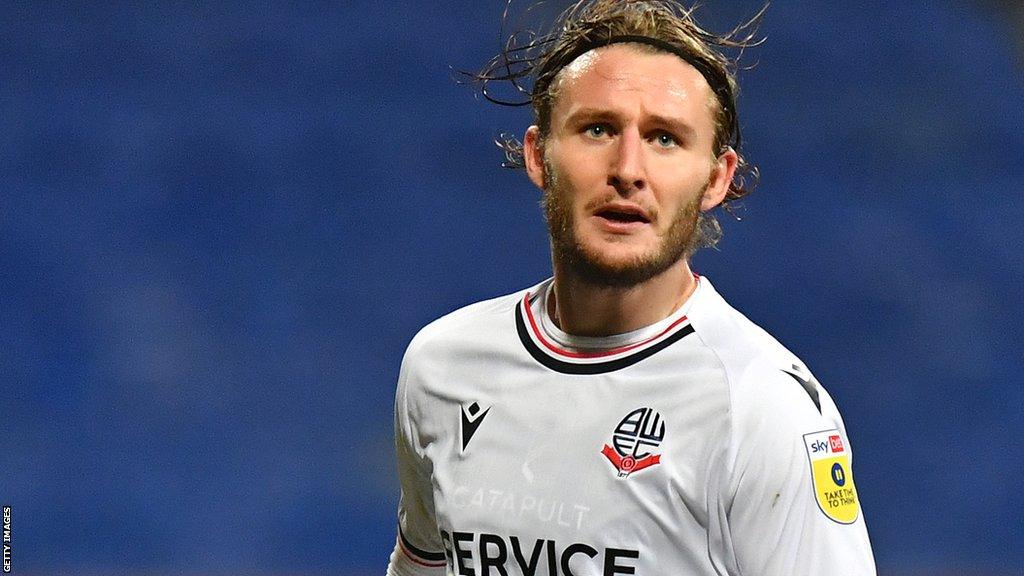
[589,265]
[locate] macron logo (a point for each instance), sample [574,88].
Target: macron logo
[472,417]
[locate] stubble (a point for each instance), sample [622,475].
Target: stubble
[594,268]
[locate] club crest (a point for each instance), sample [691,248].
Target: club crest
[640,432]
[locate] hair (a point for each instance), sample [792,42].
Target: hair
[666,25]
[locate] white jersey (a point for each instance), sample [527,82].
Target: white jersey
[698,445]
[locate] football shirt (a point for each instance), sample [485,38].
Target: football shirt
[698,445]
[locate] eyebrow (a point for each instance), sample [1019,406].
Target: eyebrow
[675,125]
[678,126]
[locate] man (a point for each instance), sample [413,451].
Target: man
[621,418]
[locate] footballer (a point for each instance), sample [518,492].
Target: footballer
[621,417]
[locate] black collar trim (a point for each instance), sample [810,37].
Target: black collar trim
[571,366]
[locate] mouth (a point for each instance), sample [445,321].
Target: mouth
[623,214]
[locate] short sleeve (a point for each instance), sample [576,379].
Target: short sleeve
[794,508]
[418,547]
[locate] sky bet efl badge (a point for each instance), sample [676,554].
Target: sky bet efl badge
[833,479]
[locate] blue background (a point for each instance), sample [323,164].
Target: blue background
[220,225]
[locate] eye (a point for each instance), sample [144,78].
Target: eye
[597,130]
[666,140]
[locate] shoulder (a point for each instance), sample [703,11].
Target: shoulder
[768,384]
[463,341]
[469,340]
[465,325]
[734,337]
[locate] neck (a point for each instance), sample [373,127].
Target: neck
[584,309]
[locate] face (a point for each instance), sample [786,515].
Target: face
[627,165]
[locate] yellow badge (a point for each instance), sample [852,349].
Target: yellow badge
[832,476]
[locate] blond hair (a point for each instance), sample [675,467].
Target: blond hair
[664,25]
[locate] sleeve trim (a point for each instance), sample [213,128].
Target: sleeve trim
[807,384]
[421,557]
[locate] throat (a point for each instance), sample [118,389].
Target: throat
[580,309]
[547,310]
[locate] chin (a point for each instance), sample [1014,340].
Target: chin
[613,260]
[621,251]
[618,267]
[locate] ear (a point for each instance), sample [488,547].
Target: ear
[533,156]
[725,167]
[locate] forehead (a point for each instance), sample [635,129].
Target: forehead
[630,77]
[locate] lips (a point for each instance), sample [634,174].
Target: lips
[626,214]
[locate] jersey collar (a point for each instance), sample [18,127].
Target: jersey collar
[623,350]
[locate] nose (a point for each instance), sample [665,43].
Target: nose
[627,172]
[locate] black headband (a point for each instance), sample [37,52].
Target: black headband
[716,79]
